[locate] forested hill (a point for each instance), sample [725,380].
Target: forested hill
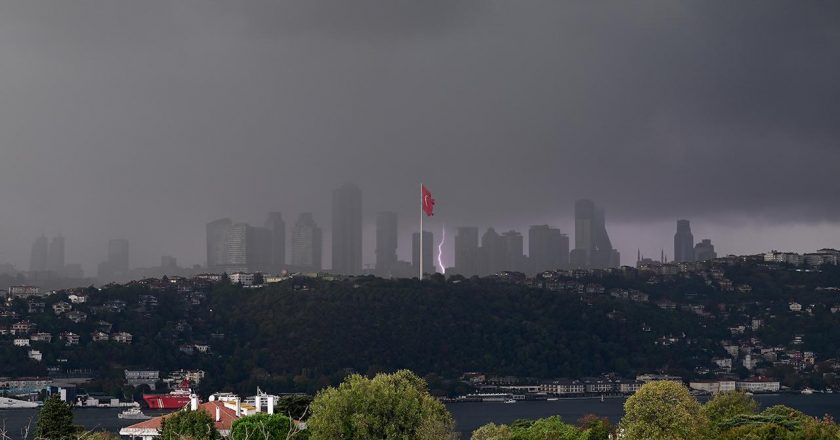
[304,333]
[445,328]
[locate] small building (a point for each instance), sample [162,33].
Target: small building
[758,385]
[122,337]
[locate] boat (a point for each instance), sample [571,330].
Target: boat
[510,401]
[7,403]
[133,413]
[552,399]
[175,399]
[807,391]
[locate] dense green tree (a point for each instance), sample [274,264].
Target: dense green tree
[600,428]
[726,405]
[550,428]
[492,431]
[188,424]
[55,421]
[663,410]
[263,426]
[394,406]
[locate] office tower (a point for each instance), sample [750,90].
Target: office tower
[55,255]
[347,230]
[514,254]
[168,262]
[277,226]
[548,249]
[235,257]
[593,248]
[386,243]
[258,249]
[216,235]
[492,253]
[429,254]
[466,251]
[704,250]
[683,242]
[38,257]
[118,255]
[306,244]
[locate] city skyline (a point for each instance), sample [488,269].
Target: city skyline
[507,112]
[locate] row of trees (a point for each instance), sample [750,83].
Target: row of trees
[398,406]
[667,411]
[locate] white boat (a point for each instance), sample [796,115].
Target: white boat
[133,413]
[7,403]
[807,391]
[552,399]
[510,401]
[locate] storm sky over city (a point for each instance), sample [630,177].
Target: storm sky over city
[146,119]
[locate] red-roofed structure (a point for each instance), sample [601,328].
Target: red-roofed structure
[149,429]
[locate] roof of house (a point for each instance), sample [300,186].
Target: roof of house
[152,426]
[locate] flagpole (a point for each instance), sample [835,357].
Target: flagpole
[421,232]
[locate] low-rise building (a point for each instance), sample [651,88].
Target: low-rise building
[758,385]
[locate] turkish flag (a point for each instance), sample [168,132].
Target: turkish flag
[428,201]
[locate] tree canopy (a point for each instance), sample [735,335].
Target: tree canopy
[55,421]
[394,406]
[663,410]
[190,425]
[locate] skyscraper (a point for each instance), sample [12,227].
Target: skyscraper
[216,235]
[548,249]
[429,256]
[683,242]
[38,256]
[492,254]
[258,251]
[55,256]
[306,244]
[593,248]
[386,243]
[466,251]
[514,254]
[704,250]
[347,230]
[277,226]
[235,257]
[118,255]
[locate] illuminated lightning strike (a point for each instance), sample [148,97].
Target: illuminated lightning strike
[440,252]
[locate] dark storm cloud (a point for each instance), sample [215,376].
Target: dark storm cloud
[146,119]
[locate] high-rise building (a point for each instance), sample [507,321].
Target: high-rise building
[216,235]
[169,262]
[258,252]
[386,243]
[514,253]
[118,255]
[38,257]
[55,255]
[347,230]
[683,242]
[704,250]
[492,254]
[548,249]
[235,257]
[277,226]
[593,248]
[467,251]
[429,256]
[306,244]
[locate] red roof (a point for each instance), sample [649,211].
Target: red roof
[226,418]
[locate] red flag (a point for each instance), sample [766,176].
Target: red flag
[428,201]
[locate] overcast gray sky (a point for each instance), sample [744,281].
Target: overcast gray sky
[146,119]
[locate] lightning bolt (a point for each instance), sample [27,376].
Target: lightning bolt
[440,251]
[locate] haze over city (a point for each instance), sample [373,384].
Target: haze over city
[147,120]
